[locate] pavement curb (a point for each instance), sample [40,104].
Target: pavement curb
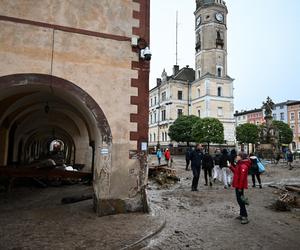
[156,212]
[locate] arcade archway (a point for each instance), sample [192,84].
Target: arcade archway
[36,110]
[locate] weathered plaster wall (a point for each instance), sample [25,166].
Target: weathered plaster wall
[99,64]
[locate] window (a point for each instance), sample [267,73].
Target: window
[293,128]
[179,95]
[179,112]
[298,115]
[163,96]
[151,118]
[199,74]
[239,118]
[281,107]
[166,136]
[199,92]
[220,111]
[154,137]
[163,115]
[150,139]
[199,113]
[292,116]
[219,91]
[219,72]
[282,116]
[274,116]
[151,102]
[155,100]
[163,136]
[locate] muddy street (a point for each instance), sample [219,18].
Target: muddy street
[206,219]
[34,218]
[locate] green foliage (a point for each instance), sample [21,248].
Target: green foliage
[285,132]
[181,129]
[208,130]
[247,133]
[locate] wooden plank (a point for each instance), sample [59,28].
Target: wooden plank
[42,173]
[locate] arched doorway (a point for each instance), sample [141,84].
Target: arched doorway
[37,110]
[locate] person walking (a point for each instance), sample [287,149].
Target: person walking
[217,169]
[207,166]
[187,158]
[290,158]
[254,170]
[240,182]
[158,155]
[224,165]
[196,160]
[233,155]
[168,157]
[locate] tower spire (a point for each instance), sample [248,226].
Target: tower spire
[176,63]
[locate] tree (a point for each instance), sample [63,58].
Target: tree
[181,129]
[247,133]
[208,130]
[285,132]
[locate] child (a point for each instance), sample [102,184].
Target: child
[240,182]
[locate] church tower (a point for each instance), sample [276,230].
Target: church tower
[212,91]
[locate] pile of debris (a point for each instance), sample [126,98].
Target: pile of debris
[289,197]
[163,175]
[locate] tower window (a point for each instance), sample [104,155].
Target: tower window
[219,40]
[179,113]
[219,72]
[219,91]
[199,113]
[179,95]
[199,92]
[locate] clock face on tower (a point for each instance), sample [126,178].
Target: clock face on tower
[219,17]
[198,21]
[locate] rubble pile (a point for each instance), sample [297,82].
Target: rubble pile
[289,198]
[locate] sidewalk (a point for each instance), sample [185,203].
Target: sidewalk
[33,218]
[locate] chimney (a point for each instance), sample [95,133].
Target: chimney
[175,70]
[158,81]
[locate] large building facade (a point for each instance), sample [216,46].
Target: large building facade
[71,71]
[210,93]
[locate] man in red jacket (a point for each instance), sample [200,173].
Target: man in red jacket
[240,182]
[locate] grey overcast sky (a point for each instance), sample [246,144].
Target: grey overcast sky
[263,46]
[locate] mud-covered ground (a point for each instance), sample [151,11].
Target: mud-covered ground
[206,219]
[33,218]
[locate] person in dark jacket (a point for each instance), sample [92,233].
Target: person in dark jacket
[233,155]
[187,158]
[207,166]
[254,171]
[224,165]
[196,160]
[290,158]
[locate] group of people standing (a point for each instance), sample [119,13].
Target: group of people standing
[231,168]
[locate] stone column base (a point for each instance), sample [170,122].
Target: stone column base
[105,207]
